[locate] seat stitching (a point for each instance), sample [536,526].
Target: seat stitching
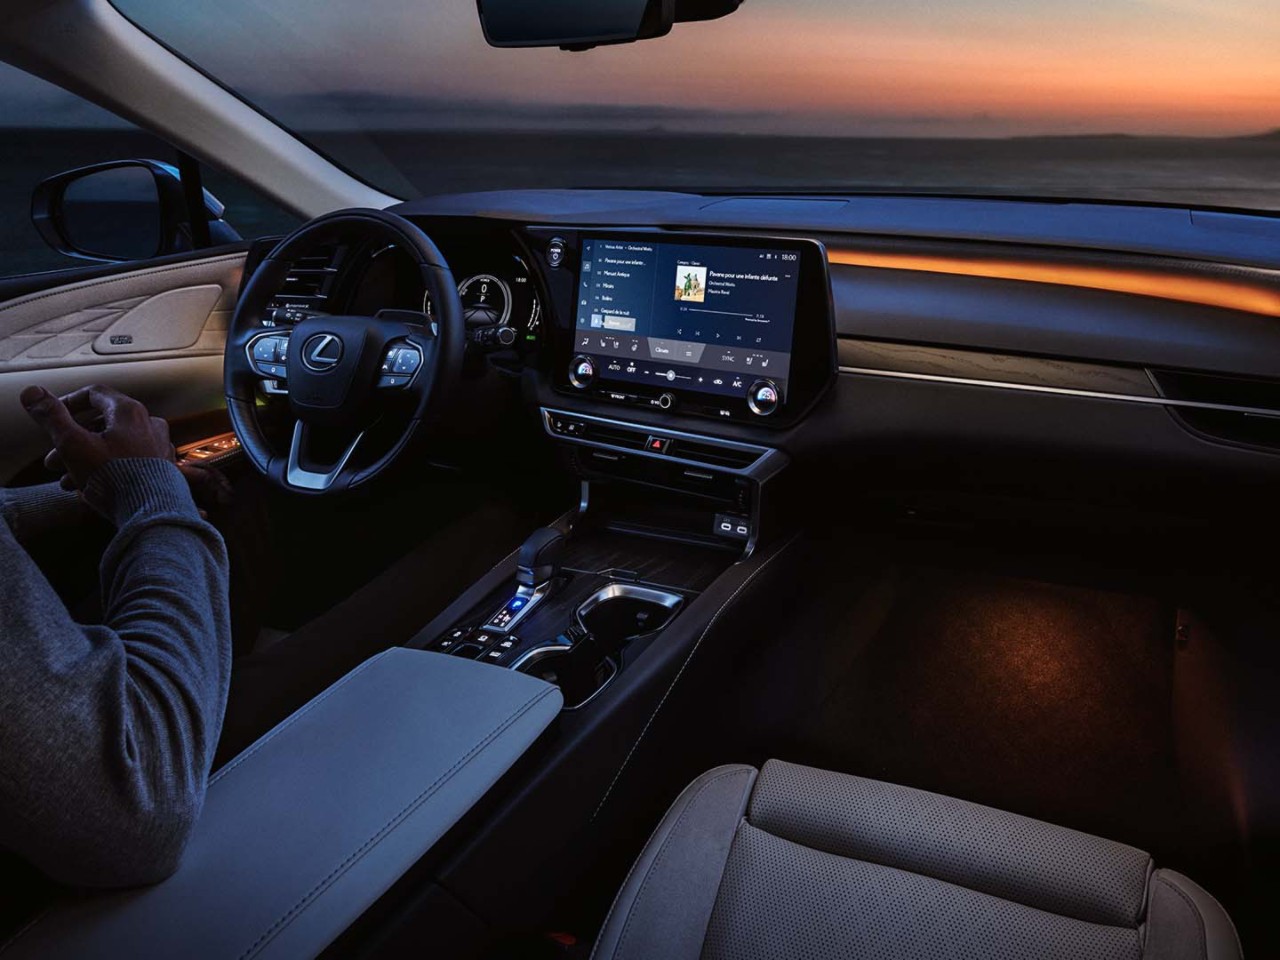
[660,856]
[271,932]
[24,929]
[676,679]
[614,906]
[1145,906]
[118,278]
[949,883]
[294,718]
[1204,946]
[934,876]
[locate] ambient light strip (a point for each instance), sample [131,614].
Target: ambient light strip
[1206,291]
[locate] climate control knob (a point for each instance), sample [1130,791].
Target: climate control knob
[582,372]
[763,398]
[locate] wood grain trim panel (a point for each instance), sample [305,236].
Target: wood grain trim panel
[995,367]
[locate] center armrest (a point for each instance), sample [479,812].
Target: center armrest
[306,828]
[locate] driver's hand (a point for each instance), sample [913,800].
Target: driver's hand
[118,427]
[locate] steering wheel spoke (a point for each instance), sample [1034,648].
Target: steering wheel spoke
[303,473]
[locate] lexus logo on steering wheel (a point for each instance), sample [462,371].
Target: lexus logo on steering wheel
[321,352]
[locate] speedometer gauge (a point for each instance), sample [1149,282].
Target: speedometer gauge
[486,300]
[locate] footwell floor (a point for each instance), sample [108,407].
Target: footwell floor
[1047,700]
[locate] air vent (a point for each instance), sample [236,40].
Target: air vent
[1254,414]
[310,279]
[713,454]
[614,436]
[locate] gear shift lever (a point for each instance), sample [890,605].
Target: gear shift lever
[539,560]
[536,566]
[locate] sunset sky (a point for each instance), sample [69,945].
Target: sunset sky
[862,67]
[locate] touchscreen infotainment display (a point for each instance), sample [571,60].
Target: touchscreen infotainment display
[713,319]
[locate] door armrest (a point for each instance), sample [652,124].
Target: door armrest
[306,828]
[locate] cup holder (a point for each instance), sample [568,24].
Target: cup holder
[607,619]
[579,677]
[622,611]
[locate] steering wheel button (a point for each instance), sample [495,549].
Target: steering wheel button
[391,381]
[407,360]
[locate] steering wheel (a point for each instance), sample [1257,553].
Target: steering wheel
[343,374]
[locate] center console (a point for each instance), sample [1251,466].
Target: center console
[575,613]
[674,370]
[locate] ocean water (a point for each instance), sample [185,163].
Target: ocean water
[1237,173]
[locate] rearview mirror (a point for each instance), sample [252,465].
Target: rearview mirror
[121,211]
[583,24]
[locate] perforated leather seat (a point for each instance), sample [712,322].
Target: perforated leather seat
[801,863]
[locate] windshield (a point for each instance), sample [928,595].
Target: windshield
[1171,101]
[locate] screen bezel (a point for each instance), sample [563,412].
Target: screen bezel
[813,353]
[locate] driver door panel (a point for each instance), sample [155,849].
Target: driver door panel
[156,333]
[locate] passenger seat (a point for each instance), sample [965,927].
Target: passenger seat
[794,862]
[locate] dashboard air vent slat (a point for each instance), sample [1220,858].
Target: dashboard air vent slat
[615,436]
[713,455]
[310,278]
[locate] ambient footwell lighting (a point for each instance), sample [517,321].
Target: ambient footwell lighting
[1205,291]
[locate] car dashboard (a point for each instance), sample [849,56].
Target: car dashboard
[1116,356]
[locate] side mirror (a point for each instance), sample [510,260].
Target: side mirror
[583,24]
[121,211]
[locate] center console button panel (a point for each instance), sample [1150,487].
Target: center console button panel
[673,446]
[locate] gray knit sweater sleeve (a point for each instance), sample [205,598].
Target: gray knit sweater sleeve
[107,732]
[33,511]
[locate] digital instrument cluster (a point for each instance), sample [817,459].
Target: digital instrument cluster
[500,303]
